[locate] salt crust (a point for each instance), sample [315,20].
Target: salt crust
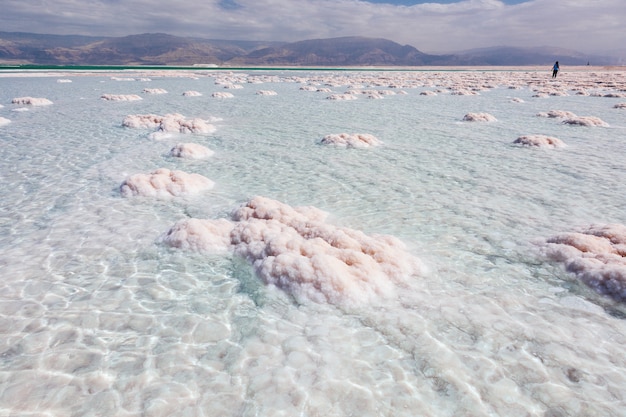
[120,97]
[266,93]
[32,101]
[170,123]
[354,140]
[4,121]
[620,106]
[164,183]
[479,117]
[190,151]
[540,141]
[293,248]
[192,94]
[341,97]
[596,255]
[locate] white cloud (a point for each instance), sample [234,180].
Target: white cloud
[584,25]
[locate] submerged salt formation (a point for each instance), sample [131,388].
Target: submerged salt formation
[540,141]
[120,97]
[295,249]
[170,123]
[585,121]
[4,121]
[32,101]
[347,140]
[479,117]
[164,183]
[192,93]
[266,93]
[190,151]
[596,255]
[341,97]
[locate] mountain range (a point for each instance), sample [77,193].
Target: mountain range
[17,48]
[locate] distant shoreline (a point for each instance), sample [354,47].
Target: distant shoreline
[55,70]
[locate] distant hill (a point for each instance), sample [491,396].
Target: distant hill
[512,56]
[164,49]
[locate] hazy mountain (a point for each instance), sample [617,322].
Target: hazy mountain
[164,49]
[511,56]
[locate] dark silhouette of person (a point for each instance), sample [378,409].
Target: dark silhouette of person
[555,69]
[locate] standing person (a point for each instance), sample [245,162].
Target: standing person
[555,69]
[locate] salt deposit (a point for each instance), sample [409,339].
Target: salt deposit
[154,91]
[541,141]
[266,93]
[4,121]
[120,97]
[479,117]
[192,93]
[64,81]
[557,114]
[351,140]
[220,94]
[170,123]
[32,101]
[164,183]
[190,151]
[294,249]
[596,255]
[341,97]
[620,106]
[585,121]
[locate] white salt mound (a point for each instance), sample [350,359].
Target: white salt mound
[266,93]
[220,94]
[4,121]
[294,249]
[154,91]
[170,123]
[541,141]
[479,117]
[557,114]
[596,255]
[192,94]
[342,97]
[120,97]
[32,101]
[347,140]
[190,151]
[164,183]
[585,121]
[620,106]
[64,80]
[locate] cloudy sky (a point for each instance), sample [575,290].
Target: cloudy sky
[592,26]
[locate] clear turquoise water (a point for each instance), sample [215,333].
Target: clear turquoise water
[98,318]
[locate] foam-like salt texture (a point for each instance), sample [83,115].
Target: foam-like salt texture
[164,183]
[32,101]
[541,141]
[294,249]
[596,255]
[351,140]
[191,151]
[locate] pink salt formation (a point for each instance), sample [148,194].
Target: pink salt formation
[541,141]
[351,140]
[479,117]
[190,151]
[164,183]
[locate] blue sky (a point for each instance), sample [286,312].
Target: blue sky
[437,26]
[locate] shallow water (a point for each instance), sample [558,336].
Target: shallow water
[97,317]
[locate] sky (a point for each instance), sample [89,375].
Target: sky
[435,26]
